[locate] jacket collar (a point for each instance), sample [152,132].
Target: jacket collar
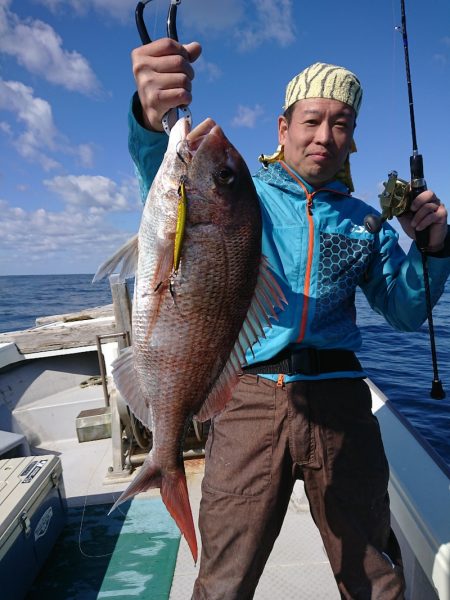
[275,175]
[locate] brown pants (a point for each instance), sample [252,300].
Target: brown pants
[324,433]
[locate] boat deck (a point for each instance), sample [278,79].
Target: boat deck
[297,568]
[41,397]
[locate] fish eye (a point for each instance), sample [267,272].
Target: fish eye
[225,176]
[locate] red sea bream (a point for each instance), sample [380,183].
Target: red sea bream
[203,294]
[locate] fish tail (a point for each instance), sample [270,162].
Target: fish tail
[174,494]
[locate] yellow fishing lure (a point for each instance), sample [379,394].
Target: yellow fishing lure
[181,223]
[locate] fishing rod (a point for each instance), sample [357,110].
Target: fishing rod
[396,199]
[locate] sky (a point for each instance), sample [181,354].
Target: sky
[68,192]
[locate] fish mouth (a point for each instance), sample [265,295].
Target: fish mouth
[204,131]
[187,143]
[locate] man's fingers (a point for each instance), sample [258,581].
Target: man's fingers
[171,98]
[167,47]
[163,101]
[428,215]
[174,63]
[165,81]
[426,209]
[161,47]
[193,50]
[423,198]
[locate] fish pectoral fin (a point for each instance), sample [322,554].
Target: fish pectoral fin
[127,255]
[164,264]
[267,295]
[222,391]
[126,379]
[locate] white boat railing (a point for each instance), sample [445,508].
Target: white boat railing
[419,491]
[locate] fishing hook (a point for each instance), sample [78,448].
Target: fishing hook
[178,153]
[173,114]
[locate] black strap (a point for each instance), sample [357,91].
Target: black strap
[307,361]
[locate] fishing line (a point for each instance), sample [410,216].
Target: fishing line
[82,552]
[394,63]
[157,17]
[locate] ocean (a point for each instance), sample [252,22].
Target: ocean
[398,363]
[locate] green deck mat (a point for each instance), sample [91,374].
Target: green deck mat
[130,554]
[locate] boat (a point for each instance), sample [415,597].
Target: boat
[59,410]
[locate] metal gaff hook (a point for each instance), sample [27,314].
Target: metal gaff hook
[181,111]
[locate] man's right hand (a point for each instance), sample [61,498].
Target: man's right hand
[163,74]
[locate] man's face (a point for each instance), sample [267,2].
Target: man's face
[318,138]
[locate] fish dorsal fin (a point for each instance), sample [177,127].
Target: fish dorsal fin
[127,382]
[127,255]
[267,295]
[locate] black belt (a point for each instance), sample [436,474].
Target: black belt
[307,361]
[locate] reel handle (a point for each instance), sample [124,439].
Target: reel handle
[373,223]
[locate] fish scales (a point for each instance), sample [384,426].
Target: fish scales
[186,356]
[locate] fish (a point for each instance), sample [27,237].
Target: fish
[203,296]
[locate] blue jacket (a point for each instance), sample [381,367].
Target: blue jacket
[320,251]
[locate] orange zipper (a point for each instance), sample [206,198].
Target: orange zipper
[308,267]
[309,205]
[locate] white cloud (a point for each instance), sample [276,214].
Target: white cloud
[206,16]
[122,10]
[211,70]
[273,23]
[440,59]
[85,154]
[5,127]
[40,135]
[212,17]
[95,193]
[264,20]
[36,115]
[32,240]
[246,116]
[37,47]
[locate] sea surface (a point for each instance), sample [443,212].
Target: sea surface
[398,363]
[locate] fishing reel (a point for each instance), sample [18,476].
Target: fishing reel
[395,200]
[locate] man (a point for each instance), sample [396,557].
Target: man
[302,408]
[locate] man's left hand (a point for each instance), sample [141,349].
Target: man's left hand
[427,211]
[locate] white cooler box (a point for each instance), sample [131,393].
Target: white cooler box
[32,515]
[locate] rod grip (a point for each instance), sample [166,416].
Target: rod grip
[418,185]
